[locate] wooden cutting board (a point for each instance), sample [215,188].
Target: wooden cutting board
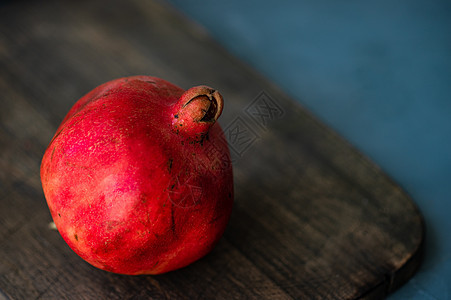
[313,218]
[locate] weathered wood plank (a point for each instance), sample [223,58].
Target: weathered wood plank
[313,217]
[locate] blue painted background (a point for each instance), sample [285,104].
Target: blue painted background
[379,73]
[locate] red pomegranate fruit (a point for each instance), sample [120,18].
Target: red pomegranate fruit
[138,177]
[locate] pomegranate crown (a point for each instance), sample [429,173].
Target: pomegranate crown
[196,111]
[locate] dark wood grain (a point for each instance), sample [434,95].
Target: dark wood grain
[313,218]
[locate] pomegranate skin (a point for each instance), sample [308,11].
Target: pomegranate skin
[138,177]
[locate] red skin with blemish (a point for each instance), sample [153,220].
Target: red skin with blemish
[138,176]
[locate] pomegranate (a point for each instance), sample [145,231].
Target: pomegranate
[138,177]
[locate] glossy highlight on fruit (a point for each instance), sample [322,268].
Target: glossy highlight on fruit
[138,177]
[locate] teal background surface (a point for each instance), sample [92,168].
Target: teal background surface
[379,73]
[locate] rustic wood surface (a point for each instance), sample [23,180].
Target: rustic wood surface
[313,218]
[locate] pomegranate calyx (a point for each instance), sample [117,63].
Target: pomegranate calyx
[196,111]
